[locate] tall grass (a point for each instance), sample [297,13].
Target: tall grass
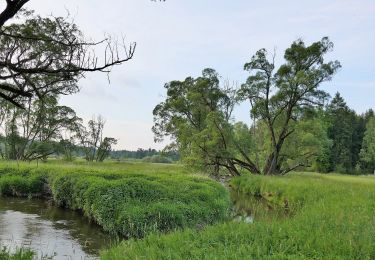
[131,200]
[20,254]
[333,217]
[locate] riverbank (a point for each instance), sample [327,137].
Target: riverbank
[329,217]
[130,200]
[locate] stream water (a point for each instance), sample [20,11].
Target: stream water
[247,208]
[49,231]
[57,233]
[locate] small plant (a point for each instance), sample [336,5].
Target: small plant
[19,254]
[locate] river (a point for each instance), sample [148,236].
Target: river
[50,231]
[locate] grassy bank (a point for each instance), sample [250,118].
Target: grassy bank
[128,199]
[330,217]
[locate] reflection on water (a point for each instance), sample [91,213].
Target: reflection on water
[247,208]
[49,230]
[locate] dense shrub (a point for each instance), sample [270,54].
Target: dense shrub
[22,183]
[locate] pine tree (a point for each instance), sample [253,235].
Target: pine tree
[342,125]
[367,153]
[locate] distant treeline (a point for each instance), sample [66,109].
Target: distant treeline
[146,154]
[350,139]
[45,129]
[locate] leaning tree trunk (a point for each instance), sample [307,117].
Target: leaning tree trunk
[272,166]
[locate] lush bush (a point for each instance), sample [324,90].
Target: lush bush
[22,183]
[333,219]
[132,202]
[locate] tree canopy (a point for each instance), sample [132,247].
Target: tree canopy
[41,55]
[197,112]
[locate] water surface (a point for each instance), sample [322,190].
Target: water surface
[49,230]
[248,208]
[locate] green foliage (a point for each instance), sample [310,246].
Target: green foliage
[277,97]
[196,115]
[340,132]
[33,133]
[95,147]
[131,200]
[332,218]
[26,183]
[346,130]
[41,55]
[20,254]
[170,152]
[367,153]
[308,143]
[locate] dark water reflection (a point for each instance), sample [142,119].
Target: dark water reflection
[49,230]
[247,208]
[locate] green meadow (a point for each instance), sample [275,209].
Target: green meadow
[214,141]
[168,212]
[326,217]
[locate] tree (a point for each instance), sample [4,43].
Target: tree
[41,56]
[309,143]
[95,146]
[105,148]
[278,97]
[67,148]
[367,154]
[346,134]
[33,133]
[11,9]
[196,116]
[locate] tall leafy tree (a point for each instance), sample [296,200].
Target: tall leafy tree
[32,133]
[196,115]
[277,97]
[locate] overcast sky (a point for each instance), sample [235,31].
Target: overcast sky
[177,38]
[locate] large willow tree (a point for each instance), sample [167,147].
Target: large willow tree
[278,96]
[197,112]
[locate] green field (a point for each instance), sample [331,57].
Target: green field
[172,213]
[329,217]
